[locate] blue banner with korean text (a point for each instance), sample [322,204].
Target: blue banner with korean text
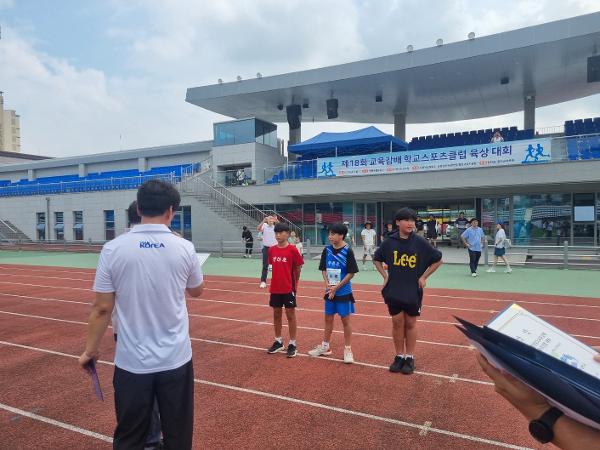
[534,151]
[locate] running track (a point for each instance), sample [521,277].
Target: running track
[248,399]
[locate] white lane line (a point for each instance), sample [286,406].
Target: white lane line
[320,311]
[426,428]
[356,333]
[435,375]
[56,423]
[451,379]
[323,406]
[378,293]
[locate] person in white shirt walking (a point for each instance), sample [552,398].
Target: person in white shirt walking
[267,230]
[500,249]
[368,236]
[145,274]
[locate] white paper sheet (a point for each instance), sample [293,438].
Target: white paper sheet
[520,324]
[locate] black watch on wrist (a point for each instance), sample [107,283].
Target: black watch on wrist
[542,429]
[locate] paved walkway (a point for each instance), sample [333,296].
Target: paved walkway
[456,276]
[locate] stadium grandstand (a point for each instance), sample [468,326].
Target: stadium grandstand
[541,183]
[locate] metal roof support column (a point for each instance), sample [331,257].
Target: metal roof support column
[400,126]
[529,112]
[295,135]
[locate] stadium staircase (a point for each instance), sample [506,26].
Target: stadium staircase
[9,232]
[225,203]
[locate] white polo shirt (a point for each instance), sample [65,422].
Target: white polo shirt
[149,269]
[268,235]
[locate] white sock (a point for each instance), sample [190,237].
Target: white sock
[325,344]
[292,341]
[400,355]
[409,356]
[279,339]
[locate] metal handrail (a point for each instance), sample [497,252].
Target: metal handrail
[230,199]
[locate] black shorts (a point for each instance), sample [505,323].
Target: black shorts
[412,309]
[281,300]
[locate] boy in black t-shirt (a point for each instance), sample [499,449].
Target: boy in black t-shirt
[410,260]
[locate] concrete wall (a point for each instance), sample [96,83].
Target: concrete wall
[22,211]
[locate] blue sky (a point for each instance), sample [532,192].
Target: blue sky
[94,76]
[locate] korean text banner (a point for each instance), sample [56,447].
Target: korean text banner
[535,151]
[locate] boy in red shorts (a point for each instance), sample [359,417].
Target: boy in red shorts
[286,263]
[410,260]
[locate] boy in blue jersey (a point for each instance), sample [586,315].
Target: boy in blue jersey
[338,266]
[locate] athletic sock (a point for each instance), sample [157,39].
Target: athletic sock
[400,355]
[325,344]
[279,339]
[409,356]
[293,342]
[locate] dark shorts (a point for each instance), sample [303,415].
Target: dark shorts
[283,300]
[412,309]
[499,251]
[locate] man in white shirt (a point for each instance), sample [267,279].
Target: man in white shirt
[267,230]
[144,274]
[368,236]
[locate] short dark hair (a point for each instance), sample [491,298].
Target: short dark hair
[339,228]
[244,228]
[405,214]
[132,214]
[155,197]
[472,219]
[281,227]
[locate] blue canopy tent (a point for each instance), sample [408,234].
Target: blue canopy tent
[359,142]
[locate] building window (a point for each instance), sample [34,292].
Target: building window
[541,219]
[109,224]
[41,226]
[59,226]
[78,225]
[182,222]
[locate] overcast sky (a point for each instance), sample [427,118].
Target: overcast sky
[99,75]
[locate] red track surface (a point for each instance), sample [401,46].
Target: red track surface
[246,398]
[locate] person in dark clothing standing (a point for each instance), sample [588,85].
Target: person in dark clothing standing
[461,225]
[249,240]
[410,260]
[432,230]
[419,226]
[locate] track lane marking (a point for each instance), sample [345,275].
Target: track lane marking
[323,406]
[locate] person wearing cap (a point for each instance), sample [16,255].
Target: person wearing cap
[500,249]
[473,238]
[349,238]
[410,260]
[368,236]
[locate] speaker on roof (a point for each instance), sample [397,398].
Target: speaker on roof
[293,116]
[593,69]
[332,108]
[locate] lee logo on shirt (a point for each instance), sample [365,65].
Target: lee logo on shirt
[146,244]
[405,260]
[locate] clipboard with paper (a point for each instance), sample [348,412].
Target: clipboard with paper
[556,365]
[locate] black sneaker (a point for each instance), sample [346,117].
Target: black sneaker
[291,351]
[276,347]
[409,366]
[397,364]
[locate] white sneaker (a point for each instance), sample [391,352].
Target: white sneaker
[474,274]
[348,356]
[319,350]
[508,271]
[490,270]
[262,285]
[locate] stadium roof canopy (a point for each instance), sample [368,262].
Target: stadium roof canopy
[480,77]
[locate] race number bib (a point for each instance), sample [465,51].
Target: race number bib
[334,276]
